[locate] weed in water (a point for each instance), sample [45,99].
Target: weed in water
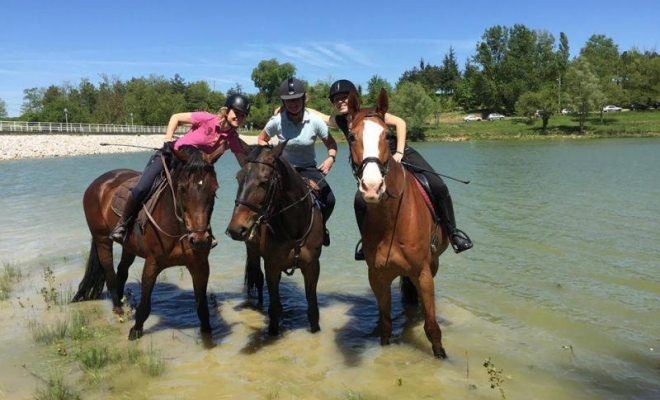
[133,353]
[79,327]
[353,395]
[46,333]
[153,363]
[49,293]
[8,277]
[56,389]
[494,376]
[94,356]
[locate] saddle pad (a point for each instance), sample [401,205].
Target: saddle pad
[119,198]
[316,191]
[425,195]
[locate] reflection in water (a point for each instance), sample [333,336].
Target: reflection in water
[560,291]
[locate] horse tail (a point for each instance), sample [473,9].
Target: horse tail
[91,286]
[408,291]
[254,278]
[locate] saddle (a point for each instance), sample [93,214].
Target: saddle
[316,191]
[119,199]
[425,189]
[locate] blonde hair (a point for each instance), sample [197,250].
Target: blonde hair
[222,114]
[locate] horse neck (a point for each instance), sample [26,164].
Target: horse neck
[165,213]
[292,190]
[396,184]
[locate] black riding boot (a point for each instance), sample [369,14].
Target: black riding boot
[360,215]
[118,234]
[459,240]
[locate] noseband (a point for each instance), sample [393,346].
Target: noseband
[263,210]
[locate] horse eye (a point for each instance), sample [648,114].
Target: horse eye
[351,137]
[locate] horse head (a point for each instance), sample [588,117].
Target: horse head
[370,154]
[195,184]
[258,182]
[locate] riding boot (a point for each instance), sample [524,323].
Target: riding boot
[360,215]
[118,234]
[459,240]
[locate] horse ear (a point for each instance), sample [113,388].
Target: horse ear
[353,103]
[247,149]
[180,155]
[213,157]
[382,104]
[277,151]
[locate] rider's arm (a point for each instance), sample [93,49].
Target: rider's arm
[263,138]
[328,119]
[400,126]
[175,121]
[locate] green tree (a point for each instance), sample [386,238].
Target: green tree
[197,96]
[3,109]
[411,102]
[428,75]
[236,89]
[374,85]
[33,104]
[317,97]
[178,84]
[268,76]
[450,76]
[583,89]
[541,103]
[110,105]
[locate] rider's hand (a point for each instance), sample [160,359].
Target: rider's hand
[397,157]
[327,165]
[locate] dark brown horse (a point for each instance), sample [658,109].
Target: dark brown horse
[178,234]
[275,213]
[400,236]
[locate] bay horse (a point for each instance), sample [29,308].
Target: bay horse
[275,213]
[178,233]
[400,236]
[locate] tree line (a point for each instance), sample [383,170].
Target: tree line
[515,71]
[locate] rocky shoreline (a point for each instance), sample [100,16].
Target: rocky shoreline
[17,147]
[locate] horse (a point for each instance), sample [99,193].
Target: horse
[276,215]
[400,236]
[178,233]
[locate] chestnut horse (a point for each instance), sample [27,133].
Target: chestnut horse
[400,236]
[276,215]
[178,234]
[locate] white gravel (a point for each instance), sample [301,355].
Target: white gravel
[15,147]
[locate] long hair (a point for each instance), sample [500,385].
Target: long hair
[222,114]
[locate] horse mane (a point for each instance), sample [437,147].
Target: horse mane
[195,163]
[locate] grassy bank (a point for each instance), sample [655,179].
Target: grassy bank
[623,124]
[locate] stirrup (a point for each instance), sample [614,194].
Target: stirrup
[460,241]
[214,241]
[326,237]
[359,253]
[117,235]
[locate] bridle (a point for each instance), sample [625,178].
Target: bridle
[358,169]
[264,211]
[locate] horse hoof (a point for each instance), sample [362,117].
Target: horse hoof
[440,353]
[315,329]
[118,310]
[384,342]
[134,334]
[273,330]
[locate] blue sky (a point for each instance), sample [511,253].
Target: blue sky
[48,42]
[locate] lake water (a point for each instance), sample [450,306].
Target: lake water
[561,290]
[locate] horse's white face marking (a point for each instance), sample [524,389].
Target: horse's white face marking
[371,177]
[200,183]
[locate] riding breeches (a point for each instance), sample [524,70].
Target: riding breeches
[151,172]
[327,197]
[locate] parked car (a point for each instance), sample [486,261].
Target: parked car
[495,117]
[472,117]
[611,108]
[638,107]
[656,105]
[566,111]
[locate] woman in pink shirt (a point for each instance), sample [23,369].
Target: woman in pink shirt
[208,132]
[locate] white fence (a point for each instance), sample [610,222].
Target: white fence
[61,127]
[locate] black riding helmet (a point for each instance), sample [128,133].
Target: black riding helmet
[341,86]
[238,102]
[292,88]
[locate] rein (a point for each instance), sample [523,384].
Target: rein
[178,208]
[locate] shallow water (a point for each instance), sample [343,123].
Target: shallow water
[561,289]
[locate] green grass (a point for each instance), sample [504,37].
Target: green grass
[94,356]
[152,363]
[48,333]
[624,124]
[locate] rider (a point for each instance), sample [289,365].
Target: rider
[300,128]
[442,202]
[208,132]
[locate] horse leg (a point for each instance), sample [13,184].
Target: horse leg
[381,287]
[126,261]
[200,277]
[104,248]
[311,275]
[273,276]
[426,288]
[254,278]
[149,275]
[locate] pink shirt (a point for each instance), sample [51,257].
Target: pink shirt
[205,134]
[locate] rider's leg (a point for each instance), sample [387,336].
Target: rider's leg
[327,199]
[442,202]
[136,197]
